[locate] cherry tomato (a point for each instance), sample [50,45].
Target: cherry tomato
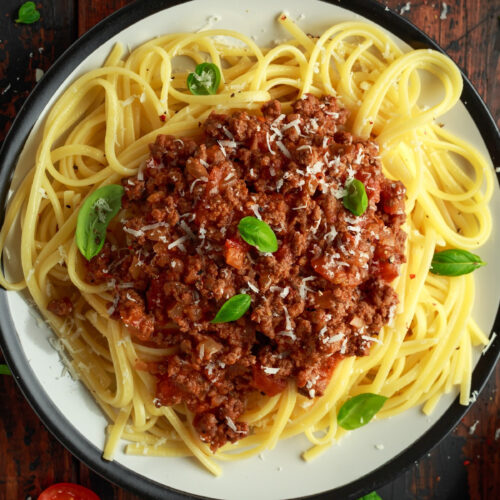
[67,491]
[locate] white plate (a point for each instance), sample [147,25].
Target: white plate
[70,412]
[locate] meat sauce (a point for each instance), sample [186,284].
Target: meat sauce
[177,256]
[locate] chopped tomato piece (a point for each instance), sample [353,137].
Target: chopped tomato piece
[320,265]
[264,383]
[325,300]
[234,253]
[61,307]
[392,198]
[383,252]
[167,392]
[388,271]
[215,178]
[141,365]
[67,491]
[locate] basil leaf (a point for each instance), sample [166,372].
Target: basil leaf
[371,496]
[359,410]
[205,80]
[233,309]
[258,234]
[5,370]
[94,216]
[27,13]
[355,200]
[455,262]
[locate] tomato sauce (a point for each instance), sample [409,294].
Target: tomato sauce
[323,295]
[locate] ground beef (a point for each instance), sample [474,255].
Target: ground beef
[177,256]
[61,307]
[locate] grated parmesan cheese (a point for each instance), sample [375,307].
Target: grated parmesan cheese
[371,339]
[269,145]
[405,8]
[133,232]
[473,397]
[255,210]
[444,12]
[288,334]
[178,243]
[472,428]
[294,123]
[492,339]
[283,149]
[288,322]
[187,229]
[228,134]
[303,289]
[270,371]
[200,179]
[156,225]
[344,346]
[220,145]
[330,236]
[333,338]
[232,425]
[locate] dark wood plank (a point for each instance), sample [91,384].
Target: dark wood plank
[24,48]
[463,466]
[90,13]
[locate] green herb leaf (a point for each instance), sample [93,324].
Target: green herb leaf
[233,309]
[258,234]
[205,80]
[27,13]
[94,216]
[359,410]
[371,496]
[355,200]
[455,262]
[5,370]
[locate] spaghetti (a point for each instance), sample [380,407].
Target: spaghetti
[98,133]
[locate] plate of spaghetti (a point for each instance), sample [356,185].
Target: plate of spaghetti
[250,242]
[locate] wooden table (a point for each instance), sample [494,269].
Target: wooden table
[465,465]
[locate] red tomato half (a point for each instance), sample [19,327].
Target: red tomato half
[67,491]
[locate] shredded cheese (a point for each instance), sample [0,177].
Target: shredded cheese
[270,371]
[283,149]
[178,243]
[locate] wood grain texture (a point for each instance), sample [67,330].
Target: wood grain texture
[463,466]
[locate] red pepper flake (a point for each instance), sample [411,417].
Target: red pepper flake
[163,118]
[466,462]
[370,122]
[412,276]
[283,18]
